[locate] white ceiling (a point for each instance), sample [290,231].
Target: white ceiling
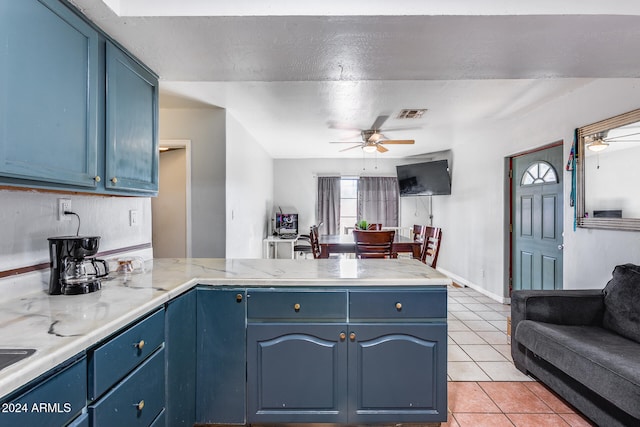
[294,74]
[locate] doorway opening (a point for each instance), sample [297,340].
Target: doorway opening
[171,209]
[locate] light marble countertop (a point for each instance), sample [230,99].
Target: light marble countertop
[59,327]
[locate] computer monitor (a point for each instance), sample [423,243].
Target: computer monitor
[286,224]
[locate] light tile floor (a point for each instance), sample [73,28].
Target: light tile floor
[478,348]
[485,389]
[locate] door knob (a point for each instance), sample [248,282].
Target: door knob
[343,336]
[352,336]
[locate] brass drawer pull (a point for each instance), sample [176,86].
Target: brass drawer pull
[139,345]
[114,180]
[352,336]
[239,298]
[139,405]
[343,336]
[399,306]
[296,307]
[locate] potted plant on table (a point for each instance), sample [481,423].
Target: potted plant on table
[362,225]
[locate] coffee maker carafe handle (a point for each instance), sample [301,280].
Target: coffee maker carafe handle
[105,267]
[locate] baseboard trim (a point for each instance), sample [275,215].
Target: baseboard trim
[464,282]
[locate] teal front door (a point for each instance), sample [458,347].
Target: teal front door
[536,203]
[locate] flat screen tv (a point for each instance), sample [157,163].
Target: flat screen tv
[424,179]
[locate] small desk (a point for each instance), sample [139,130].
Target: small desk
[272,242]
[344,244]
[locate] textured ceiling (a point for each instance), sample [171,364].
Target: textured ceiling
[292,80]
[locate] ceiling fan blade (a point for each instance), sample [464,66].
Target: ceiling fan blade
[398,141]
[344,142]
[381,149]
[351,148]
[379,122]
[396,129]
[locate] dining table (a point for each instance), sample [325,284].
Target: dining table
[344,244]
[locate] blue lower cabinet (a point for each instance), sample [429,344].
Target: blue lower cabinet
[221,356]
[137,400]
[297,373]
[397,373]
[111,361]
[54,401]
[180,345]
[81,421]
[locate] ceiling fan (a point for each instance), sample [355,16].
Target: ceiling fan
[374,140]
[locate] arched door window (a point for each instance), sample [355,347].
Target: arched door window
[539,173]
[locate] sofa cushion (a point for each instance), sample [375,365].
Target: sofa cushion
[622,302]
[603,361]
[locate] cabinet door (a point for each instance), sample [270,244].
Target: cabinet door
[221,356]
[296,373]
[132,125]
[397,373]
[180,349]
[48,94]
[53,402]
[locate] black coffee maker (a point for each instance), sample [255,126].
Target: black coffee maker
[73,270]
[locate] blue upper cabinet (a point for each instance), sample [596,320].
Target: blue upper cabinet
[132,124]
[49,73]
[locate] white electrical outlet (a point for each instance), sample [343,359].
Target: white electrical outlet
[134,218]
[63,206]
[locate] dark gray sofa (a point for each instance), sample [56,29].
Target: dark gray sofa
[585,345]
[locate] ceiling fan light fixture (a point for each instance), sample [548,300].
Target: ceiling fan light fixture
[369,148]
[598,145]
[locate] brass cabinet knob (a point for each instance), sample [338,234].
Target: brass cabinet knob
[139,345]
[139,405]
[398,306]
[114,180]
[296,307]
[343,336]
[238,297]
[97,178]
[352,336]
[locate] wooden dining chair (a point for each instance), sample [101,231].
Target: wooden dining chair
[431,246]
[315,242]
[374,243]
[418,233]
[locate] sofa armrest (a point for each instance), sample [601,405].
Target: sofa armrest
[562,307]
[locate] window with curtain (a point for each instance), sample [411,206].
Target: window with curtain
[328,204]
[378,200]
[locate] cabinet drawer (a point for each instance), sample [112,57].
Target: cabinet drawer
[54,402]
[290,305]
[419,304]
[116,358]
[137,400]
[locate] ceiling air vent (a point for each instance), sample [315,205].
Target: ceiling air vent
[411,114]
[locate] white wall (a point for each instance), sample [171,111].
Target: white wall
[28,218]
[474,217]
[295,185]
[589,255]
[249,199]
[205,127]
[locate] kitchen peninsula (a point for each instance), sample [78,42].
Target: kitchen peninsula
[294,341]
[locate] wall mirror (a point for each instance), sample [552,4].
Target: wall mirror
[608,173]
